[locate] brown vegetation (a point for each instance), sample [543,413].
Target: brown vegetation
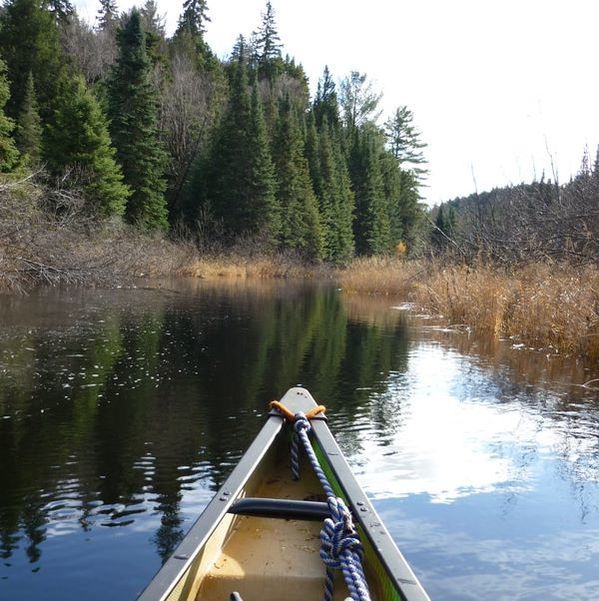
[45,237]
[554,307]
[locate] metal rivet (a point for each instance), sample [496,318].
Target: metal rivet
[363,509]
[360,503]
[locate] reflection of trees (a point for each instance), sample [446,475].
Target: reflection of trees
[139,397]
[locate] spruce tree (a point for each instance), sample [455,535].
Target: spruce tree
[267,45]
[79,139]
[107,15]
[133,113]
[337,196]
[392,183]
[30,43]
[241,183]
[29,126]
[61,9]
[194,17]
[9,155]
[225,187]
[300,223]
[346,202]
[264,215]
[326,105]
[372,229]
[322,191]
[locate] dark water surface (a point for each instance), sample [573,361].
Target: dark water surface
[122,411]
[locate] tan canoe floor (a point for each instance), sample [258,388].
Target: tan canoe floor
[273,559]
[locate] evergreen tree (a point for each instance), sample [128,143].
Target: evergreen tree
[61,9]
[300,224]
[189,37]
[107,15]
[444,225]
[241,184]
[326,105]
[344,200]
[322,192]
[194,17]
[133,113]
[264,214]
[404,141]
[29,126]
[372,228]
[267,45]
[225,190]
[30,43]
[79,138]
[392,183]
[9,155]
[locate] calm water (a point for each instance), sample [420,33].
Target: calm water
[122,411]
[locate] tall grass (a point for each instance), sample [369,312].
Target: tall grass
[555,307]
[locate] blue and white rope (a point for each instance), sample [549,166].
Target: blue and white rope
[341,548]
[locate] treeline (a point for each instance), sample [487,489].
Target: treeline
[159,132]
[540,221]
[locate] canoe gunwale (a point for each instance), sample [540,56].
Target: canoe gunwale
[192,544]
[397,568]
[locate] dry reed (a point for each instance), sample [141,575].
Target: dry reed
[554,307]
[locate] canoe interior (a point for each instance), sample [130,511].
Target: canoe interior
[271,559]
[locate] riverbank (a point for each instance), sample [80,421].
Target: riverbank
[550,307]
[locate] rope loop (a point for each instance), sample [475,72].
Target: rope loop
[301,423]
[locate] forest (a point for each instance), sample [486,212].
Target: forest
[116,125]
[127,152]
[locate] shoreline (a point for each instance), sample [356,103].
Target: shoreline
[554,308]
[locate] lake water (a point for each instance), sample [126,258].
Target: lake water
[122,411]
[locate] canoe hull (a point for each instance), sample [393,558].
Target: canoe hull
[271,559]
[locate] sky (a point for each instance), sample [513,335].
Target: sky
[502,91]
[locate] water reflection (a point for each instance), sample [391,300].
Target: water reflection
[121,412]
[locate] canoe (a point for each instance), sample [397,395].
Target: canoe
[262,536]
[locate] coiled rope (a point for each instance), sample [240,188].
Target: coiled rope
[341,548]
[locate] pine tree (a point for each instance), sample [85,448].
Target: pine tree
[404,141]
[79,138]
[133,113]
[30,42]
[29,126]
[300,223]
[107,15]
[9,155]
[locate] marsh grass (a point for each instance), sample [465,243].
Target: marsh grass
[550,307]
